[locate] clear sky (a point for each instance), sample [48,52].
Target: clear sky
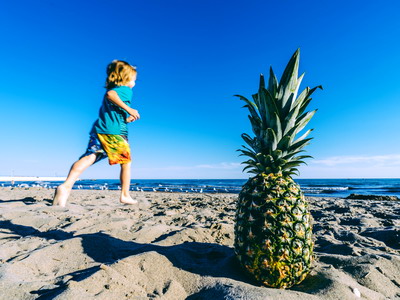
[192,57]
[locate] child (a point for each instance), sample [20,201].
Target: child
[108,137]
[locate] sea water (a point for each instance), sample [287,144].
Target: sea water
[310,187]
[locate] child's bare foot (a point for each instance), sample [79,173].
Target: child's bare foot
[127,200]
[61,196]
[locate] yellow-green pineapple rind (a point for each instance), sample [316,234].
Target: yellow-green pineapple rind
[273,231]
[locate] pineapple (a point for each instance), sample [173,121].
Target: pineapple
[273,225]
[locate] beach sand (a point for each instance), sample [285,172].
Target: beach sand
[180,246]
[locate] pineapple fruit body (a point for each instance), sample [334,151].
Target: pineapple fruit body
[273,231]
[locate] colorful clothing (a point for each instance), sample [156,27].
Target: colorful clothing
[108,137]
[94,147]
[115,147]
[112,118]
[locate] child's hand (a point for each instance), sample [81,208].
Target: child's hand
[134,115]
[130,119]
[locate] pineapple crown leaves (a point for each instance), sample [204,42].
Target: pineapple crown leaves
[277,114]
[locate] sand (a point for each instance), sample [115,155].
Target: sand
[180,246]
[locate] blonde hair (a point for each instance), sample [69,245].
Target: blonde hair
[119,73]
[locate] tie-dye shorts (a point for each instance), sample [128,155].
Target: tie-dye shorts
[115,147]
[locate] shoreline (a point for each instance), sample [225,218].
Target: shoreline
[77,187]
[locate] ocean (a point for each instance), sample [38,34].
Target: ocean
[310,187]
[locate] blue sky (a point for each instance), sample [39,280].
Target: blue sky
[192,57]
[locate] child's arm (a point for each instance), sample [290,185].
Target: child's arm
[114,98]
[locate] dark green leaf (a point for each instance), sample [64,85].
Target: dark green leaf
[272,83]
[300,144]
[262,81]
[303,120]
[288,81]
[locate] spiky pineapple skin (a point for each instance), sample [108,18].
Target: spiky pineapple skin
[273,231]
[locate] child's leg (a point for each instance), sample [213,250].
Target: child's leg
[125,178]
[62,192]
